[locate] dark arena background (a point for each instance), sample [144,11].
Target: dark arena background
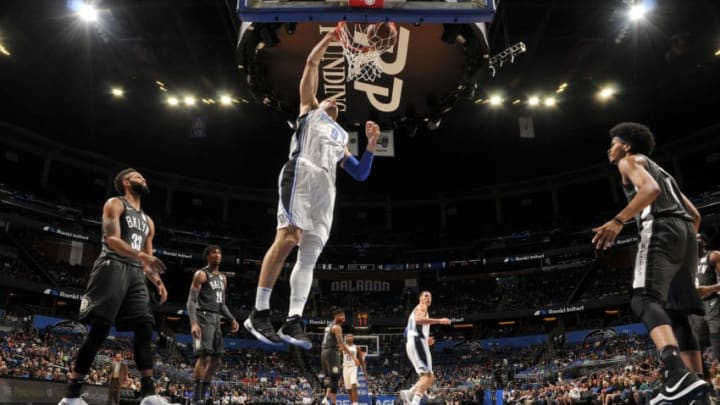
[491,172]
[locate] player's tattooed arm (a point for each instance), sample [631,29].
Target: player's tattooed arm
[112,210]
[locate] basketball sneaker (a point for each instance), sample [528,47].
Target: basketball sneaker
[405,396]
[293,332]
[154,400]
[703,400]
[258,323]
[681,386]
[72,401]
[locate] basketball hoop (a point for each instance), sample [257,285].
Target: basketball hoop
[362,48]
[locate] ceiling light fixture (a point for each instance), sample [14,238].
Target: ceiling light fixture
[637,12]
[88,13]
[606,93]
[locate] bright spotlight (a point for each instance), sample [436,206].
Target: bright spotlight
[606,93]
[534,101]
[495,100]
[173,101]
[5,52]
[717,53]
[550,101]
[88,12]
[189,100]
[225,99]
[637,12]
[117,92]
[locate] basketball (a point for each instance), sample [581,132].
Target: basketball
[381,36]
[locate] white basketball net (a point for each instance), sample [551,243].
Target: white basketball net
[362,51]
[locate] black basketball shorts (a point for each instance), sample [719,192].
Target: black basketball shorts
[211,340]
[665,261]
[331,363]
[116,295]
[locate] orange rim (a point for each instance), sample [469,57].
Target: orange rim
[341,27]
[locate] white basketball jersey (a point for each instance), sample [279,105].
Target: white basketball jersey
[319,140]
[414,331]
[347,360]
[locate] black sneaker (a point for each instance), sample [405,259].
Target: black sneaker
[293,332]
[681,386]
[258,323]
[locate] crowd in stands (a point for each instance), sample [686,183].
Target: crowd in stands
[454,298]
[611,370]
[48,354]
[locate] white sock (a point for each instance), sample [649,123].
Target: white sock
[302,273]
[262,298]
[416,399]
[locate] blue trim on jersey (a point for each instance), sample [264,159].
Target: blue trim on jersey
[420,351]
[301,138]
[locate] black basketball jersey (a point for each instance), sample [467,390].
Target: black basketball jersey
[134,230]
[667,204]
[329,342]
[212,292]
[706,274]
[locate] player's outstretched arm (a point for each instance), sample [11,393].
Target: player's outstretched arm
[309,80]
[360,169]
[422,318]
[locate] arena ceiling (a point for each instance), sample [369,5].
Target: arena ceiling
[58,76]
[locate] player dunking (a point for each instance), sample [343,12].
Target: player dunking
[305,206]
[663,292]
[418,347]
[350,367]
[116,292]
[332,346]
[206,306]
